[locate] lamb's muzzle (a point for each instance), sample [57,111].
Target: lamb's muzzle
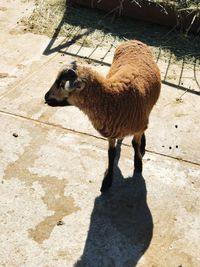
[55,103]
[118,105]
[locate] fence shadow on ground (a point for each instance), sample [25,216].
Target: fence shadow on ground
[84,23]
[121,225]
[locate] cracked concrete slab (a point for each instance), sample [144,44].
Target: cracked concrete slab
[53,162]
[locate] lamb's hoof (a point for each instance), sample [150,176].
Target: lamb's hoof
[138,166]
[142,152]
[106,184]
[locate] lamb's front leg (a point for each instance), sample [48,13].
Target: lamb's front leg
[107,181]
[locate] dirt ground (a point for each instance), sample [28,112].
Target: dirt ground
[52,164]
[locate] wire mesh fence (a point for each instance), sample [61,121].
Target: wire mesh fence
[94,36]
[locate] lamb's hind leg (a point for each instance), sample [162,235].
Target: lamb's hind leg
[143,144]
[138,144]
[107,181]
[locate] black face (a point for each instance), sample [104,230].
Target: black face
[55,103]
[57,95]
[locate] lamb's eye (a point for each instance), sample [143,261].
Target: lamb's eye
[76,84]
[62,85]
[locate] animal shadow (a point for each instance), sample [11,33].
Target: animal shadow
[121,225]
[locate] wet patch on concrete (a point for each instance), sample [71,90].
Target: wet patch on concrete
[54,188]
[62,207]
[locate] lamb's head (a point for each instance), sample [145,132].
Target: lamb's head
[68,83]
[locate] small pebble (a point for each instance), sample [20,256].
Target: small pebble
[90,181]
[176,146]
[179,100]
[170,147]
[60,223]
[15,134]
[176,126]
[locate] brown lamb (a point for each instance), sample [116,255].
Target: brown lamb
[118,105]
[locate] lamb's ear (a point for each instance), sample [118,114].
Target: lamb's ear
[73,65]
[70,78]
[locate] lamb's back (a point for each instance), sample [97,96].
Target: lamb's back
[134,63]
[131,54]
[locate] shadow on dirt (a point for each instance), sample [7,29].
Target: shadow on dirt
[121,225]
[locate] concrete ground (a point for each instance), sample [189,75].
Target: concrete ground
[52,164]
